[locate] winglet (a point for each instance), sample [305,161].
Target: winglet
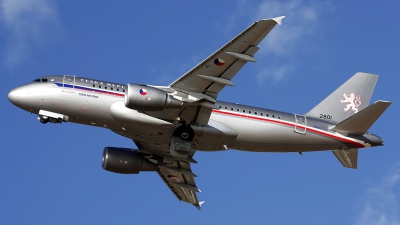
[199,205]
[278,20]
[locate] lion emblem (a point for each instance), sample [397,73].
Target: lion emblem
[353,100]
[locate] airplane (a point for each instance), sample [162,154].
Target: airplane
[169,124]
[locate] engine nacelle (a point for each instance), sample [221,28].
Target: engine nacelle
[125,161]
[148,98]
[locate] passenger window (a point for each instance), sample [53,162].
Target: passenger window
[249,112]
[123,90]
[99,86]
[244,110]
[262,114]
[117,89]
[255,113]
[226,107]
[105,87]
[231,109]
[279,117]
[94,85]
[220,106]
[237,110]
[273,116]
[112,88]
[267,115]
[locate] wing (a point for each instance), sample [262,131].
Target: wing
[199,87]
[179,178]
[216,71]
[177,175]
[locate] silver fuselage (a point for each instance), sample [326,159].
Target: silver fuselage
[91,102]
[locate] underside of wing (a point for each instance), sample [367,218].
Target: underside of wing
[179,178]
[176,174]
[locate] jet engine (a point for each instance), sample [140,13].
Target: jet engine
[140,97]
[125,161]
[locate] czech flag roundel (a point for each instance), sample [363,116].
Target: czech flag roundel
[143,91]
[219,62]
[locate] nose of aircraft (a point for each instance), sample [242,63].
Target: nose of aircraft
[13,96]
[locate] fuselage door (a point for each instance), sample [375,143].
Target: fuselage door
[69,83]
[301,123]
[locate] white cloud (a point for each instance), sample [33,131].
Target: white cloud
[28,23]
[163,73]
[301,22]
[273,74]
[380,203]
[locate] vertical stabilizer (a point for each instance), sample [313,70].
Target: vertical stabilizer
[350,98]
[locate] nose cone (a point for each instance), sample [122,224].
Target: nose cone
[14,95]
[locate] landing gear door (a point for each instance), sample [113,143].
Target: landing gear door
[69,83]
[301,124]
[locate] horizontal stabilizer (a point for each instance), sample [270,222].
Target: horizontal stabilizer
[348,157]
[360,122]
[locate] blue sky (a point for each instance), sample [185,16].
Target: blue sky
[52,173]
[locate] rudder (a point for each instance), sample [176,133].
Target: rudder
[351,97]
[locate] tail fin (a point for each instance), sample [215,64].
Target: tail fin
[350,98]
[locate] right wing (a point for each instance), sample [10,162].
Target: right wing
[200,86]
[217,70]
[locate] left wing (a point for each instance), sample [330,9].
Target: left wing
[176,174]
[179,177]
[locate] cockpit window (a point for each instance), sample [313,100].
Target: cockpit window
[40,80]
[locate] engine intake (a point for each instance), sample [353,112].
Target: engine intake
[125,161]
[140,97]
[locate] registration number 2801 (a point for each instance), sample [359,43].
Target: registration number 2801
[325,117]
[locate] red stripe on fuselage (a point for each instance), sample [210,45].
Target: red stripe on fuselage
[289,124]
